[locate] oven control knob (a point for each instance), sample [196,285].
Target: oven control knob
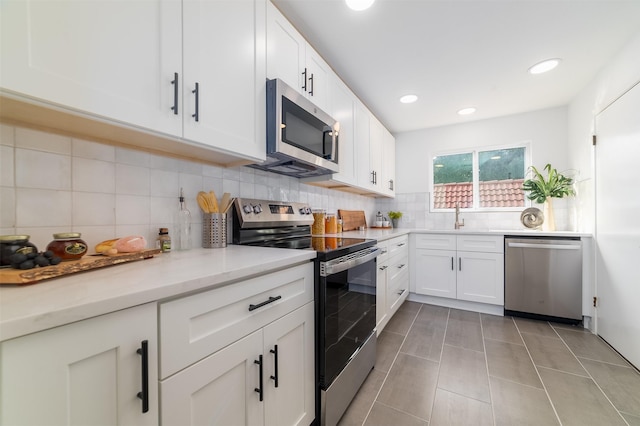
[247,208]
[257,208]
[303,210]
[307,210]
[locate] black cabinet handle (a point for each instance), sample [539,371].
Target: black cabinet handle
[391,184]
[144,394]
[401,292]
[382,268]
[259,389]
[401,266]
[311,80]
[174,108]
[196,91]
[459,264]
[266,302]
[274,351]
[452,263]
[304,75]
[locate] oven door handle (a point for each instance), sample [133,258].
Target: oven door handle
[347,262]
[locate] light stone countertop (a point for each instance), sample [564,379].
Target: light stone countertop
[26,309]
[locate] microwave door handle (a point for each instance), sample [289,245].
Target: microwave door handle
[332,133]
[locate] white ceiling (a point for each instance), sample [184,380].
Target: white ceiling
[455,53]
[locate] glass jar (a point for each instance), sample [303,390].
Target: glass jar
[68,246]
[318,227]
[11,244]
[339,226]
[331,223]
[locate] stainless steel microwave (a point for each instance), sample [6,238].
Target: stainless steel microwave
[302,140]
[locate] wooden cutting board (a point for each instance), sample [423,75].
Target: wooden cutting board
[352,219]
[86,263]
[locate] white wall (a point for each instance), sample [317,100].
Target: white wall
[622,73]
[545,130]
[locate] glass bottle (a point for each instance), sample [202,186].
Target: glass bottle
[182,225]
[164,240]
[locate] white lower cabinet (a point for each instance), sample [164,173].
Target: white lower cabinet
[463,267]
[85,373]
[259,362]
[392,279]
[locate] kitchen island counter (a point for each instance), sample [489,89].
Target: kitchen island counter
[27,309]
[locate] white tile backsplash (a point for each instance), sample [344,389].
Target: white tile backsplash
[59,184]
[38,169]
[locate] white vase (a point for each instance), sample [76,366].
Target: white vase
[549,223]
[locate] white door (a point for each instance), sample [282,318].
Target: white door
[342,110]
[85,373]
[290,341]
[481,277]
[224,75]
[111,58]
[219,390]
[617,154]
[435,273]
[318,72]
[286,50]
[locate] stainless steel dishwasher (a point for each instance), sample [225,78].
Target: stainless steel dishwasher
[543,278]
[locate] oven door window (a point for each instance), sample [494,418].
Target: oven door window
[305,131]
[349,316]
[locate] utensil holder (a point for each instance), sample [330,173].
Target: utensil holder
[214,230]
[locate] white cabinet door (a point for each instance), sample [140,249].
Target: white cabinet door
[362,148]
[481,277]
[224,77]
[289,372]
[219,390]
[112,58]
[318,74]
[388,165]
[435,273]
[286,50]
[376,138]
[342,103]
[84,373]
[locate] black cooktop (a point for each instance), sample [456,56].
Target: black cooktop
[327,247]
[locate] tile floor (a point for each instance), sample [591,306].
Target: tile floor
[440,366]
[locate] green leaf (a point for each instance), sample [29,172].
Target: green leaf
[554,185]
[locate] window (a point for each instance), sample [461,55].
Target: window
[480,179]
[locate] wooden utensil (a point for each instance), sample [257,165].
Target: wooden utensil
[202,201]
[224,203]
[213,202]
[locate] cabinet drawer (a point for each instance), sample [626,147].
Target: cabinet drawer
[398,288]
[397,265]
[193,327]
[384,251]
[436,241]
[481,243]
[394,245]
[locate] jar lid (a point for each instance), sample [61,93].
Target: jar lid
[66,235]
[11,238]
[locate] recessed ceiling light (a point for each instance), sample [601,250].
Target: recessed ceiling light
[408,99]
[359,4]
[544,66]
[467,111]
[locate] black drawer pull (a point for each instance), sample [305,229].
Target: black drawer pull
[266,302]
[274,351]
[311,80]
[259,389]
[144,394]
[174,108]
[304,75]
[196,91]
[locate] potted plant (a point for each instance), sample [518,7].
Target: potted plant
[394,216]
[542,190]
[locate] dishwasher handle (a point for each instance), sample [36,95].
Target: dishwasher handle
[546,246]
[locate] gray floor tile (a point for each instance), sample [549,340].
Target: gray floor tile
[359,407]
[535,327]
[587,345]
[450,409]
[388,345]
[430,314]
[464,372]
[382,415]
[410,386]
[425,339]
[578,401]
[620,384]
[576,328]
[401,322]
[516,404]
[632,420]
[511,362]
[552,353]
[410,307]
[500,328]
[463,330]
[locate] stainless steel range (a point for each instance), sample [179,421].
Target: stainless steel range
[345,295]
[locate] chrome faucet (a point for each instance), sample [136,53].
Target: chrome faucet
[458,224]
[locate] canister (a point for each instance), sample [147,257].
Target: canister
[11,244]
[68,246]
[318,227]
[331,223]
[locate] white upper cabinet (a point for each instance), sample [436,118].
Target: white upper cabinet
[342,104]
[224,78]
[388,163]
[291,59]
[113,59]
[136,64]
